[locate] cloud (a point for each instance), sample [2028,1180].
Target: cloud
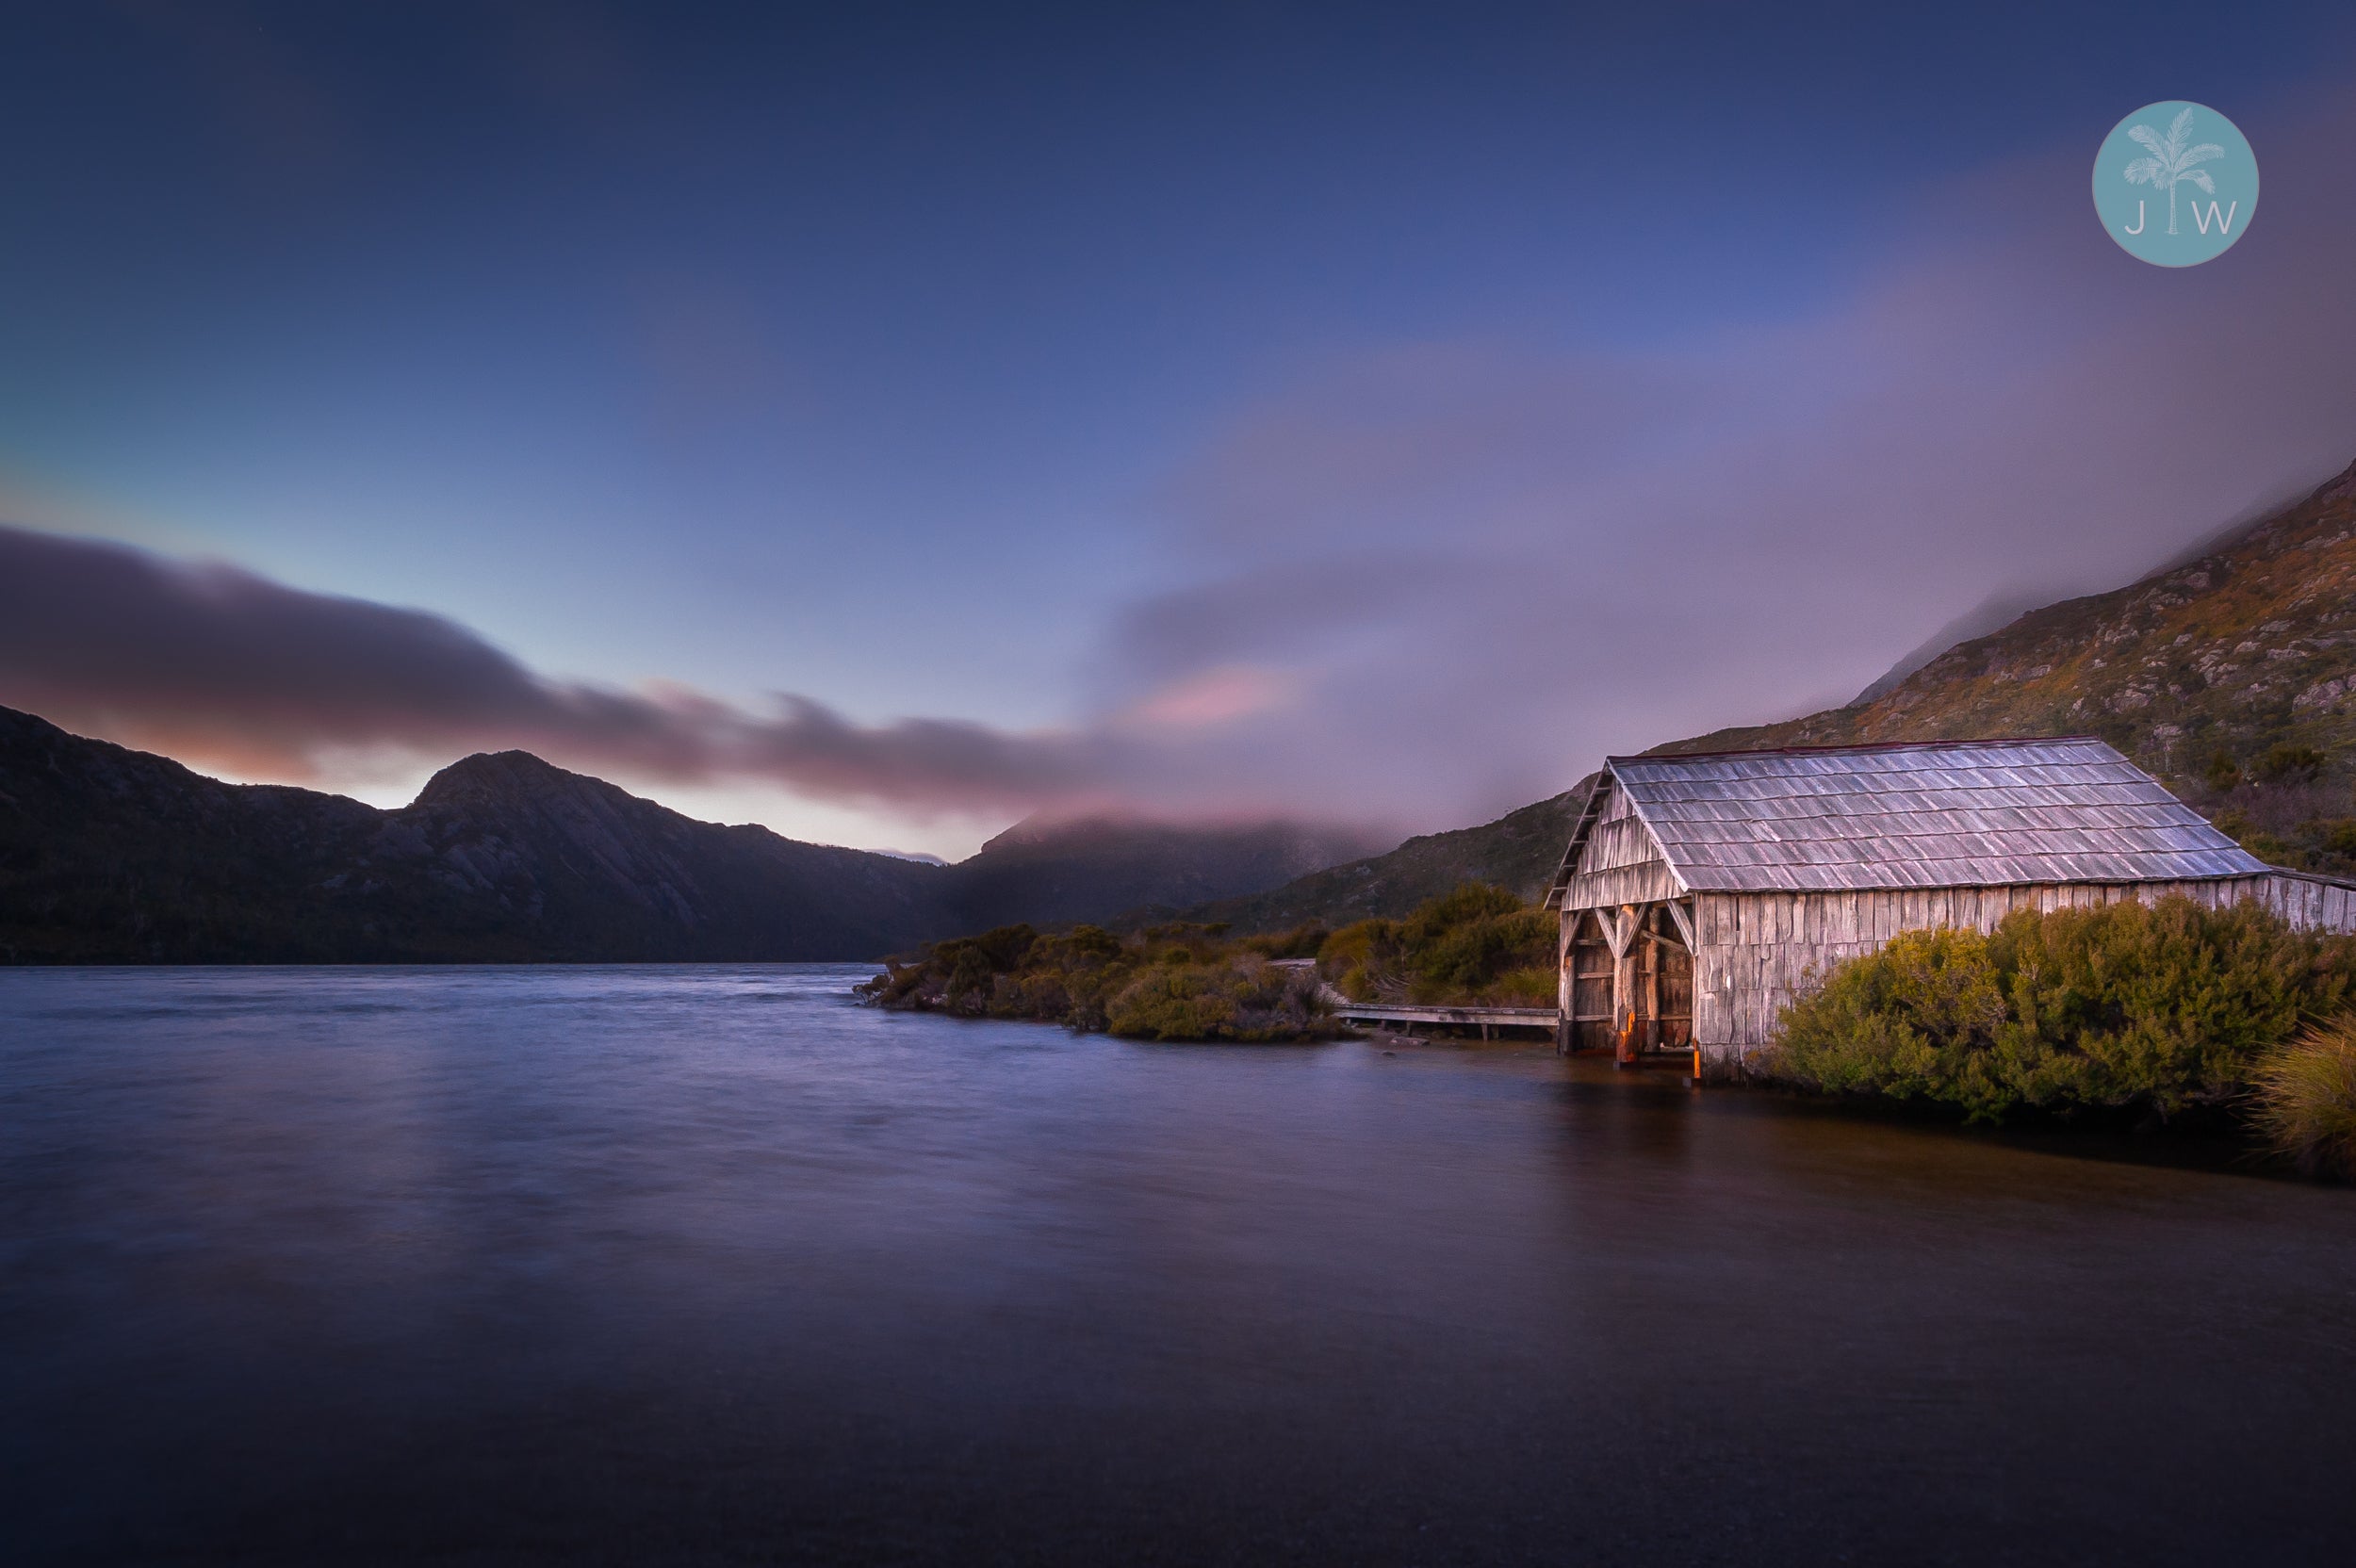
[1437,580]
[213,664]
[1480,567]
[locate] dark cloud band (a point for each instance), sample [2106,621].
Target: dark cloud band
[212,661]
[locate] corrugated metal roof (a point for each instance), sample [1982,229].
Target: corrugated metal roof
[1943,814]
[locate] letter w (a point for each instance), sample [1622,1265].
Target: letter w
[2224,225]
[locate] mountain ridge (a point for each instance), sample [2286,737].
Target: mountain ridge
[111,855]
[2231,675]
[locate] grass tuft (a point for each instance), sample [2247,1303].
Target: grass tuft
[2305,1099]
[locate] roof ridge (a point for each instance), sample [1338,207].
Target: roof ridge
[1862,745]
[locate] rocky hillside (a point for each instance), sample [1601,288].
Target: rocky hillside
[1518,851]
[2231,677]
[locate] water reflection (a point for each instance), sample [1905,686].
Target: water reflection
[708,1265]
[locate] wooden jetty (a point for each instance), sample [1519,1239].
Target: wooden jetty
[1486,1019]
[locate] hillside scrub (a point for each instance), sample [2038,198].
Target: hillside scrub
[1476,945]
[2160,1006]
[2290,819]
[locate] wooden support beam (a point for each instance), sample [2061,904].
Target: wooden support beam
[1624,996]
[1651,994]
[1684,918]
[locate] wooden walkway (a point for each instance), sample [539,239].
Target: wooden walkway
[1484,1018]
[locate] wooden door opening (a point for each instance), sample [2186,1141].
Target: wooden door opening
[1588,962]
[1671,986]
[1661,1000]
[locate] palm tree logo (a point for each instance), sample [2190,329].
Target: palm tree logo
[2173,161]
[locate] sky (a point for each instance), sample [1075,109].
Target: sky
[884,422]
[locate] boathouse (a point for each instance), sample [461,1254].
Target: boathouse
[1698,893]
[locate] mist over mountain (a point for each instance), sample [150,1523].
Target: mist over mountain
[1518,851]
[2235,651]
[2230,673]
[109,854]
[1096,868]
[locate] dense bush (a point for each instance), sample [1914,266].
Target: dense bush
[1169,982]
[1476,945]
[2305,1099]
[1243,997]
[2161,1006]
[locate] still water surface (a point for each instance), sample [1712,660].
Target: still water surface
[639,1266]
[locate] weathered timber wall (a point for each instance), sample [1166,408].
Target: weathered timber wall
[1621,863]
[1754,952]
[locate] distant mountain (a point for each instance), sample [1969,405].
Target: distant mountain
[1095,869]
[108,854]
[2233,676]
[1518,852]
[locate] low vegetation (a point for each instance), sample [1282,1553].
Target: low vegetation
[1479,944]
[1166,982]
[1193,982]
[2159,1008]
[2305,1099]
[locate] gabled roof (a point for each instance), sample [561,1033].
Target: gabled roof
[1940,814]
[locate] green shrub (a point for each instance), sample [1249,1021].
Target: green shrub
[1473,944]
[1362,961]
[1246,998]
[1915,1019]
[1181,981]
[1173,982]
[2222,772]
[2162,1007]
[2305,1098]
[1302,941]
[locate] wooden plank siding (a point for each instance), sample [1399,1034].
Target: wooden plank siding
[1620,863]
[1756,951]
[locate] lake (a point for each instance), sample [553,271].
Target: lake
[709,1264]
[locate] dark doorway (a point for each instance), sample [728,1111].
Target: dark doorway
[1589,962]
[1663,1008]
